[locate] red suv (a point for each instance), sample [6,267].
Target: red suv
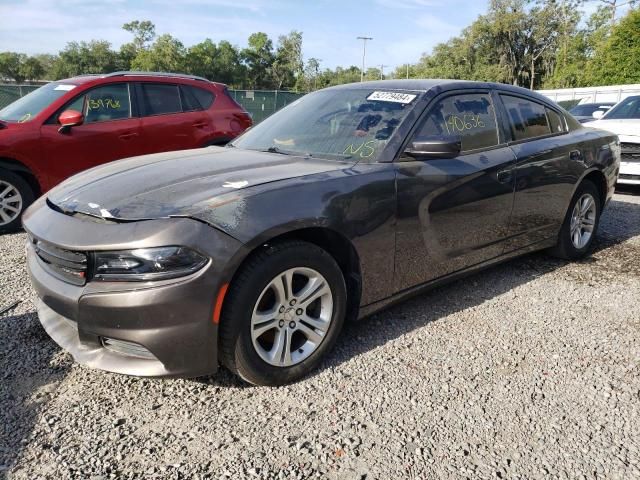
[71,125]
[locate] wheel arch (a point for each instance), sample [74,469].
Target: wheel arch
[25,172]
[336,244]
[600,181]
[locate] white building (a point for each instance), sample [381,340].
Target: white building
[613,93]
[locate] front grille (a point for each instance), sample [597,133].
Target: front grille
[64,264]
[626,176]
[630,152]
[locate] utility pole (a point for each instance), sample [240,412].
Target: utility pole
[364,52]
[382,71]
[407,71]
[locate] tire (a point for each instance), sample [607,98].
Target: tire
[568,247]
[15,196]
[258,300]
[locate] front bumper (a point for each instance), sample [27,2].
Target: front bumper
[629,173]
[162,328]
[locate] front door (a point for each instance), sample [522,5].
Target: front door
[454,213]
[109,132]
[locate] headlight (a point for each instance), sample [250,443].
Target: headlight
[146,264]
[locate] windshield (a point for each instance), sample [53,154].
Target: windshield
[333,124]
[27,107]
[627,108]
[587,110]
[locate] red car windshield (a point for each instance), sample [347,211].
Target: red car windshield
[27,107]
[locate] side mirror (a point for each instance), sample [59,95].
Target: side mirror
[598,114]
[435,147]
[68,119]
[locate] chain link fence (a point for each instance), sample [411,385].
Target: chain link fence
[10,93]
[260,103]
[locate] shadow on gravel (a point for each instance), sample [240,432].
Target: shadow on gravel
[620,222]
[29,377]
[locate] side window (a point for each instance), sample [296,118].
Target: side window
[160,99]
[103,104]
[556,124]
[189,101]
[470,115]
[527,119]
[205,97]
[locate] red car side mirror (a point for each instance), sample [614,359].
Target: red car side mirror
[68,119]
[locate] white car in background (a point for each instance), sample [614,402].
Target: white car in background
[624,121]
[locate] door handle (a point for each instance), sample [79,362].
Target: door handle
[127,136]
[575,155]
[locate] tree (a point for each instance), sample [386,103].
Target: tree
[79,58]
[617,59]
[258,58]
[143,33]
[288,65]
[167,54]
[228,65]
[32,69]
[201,59]
[11,66]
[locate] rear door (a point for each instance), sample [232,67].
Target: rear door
[111,131]
[548,165]
[454,213]
[171,118]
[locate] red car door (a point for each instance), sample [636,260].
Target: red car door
[169,120]
[110,131]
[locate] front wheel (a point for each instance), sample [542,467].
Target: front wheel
[581,223]
[15,196]
[284,311]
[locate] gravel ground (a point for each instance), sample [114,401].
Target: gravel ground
[527,370]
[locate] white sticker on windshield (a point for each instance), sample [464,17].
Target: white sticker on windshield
[65,87]
[396,97]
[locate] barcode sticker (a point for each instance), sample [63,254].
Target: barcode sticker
[396,97]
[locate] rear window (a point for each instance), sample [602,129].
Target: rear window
[527,119]
[160,99]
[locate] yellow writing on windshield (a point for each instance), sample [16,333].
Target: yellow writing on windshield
[364,150]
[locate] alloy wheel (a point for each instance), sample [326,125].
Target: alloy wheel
[291,317]
[10,203]
[583,220]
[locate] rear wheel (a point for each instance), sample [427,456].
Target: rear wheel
[581,223]
[284,310]
[15,196]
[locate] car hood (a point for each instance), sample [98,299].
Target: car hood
[176,183]
[628,127]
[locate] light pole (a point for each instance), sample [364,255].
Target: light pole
[382,71]
[364,52]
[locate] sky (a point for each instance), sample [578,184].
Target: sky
[401,29]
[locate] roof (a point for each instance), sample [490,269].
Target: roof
[424,85]
[94,76]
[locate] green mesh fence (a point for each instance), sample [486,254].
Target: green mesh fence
[260,103]
[10,93]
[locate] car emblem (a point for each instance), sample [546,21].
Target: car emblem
[240,184]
